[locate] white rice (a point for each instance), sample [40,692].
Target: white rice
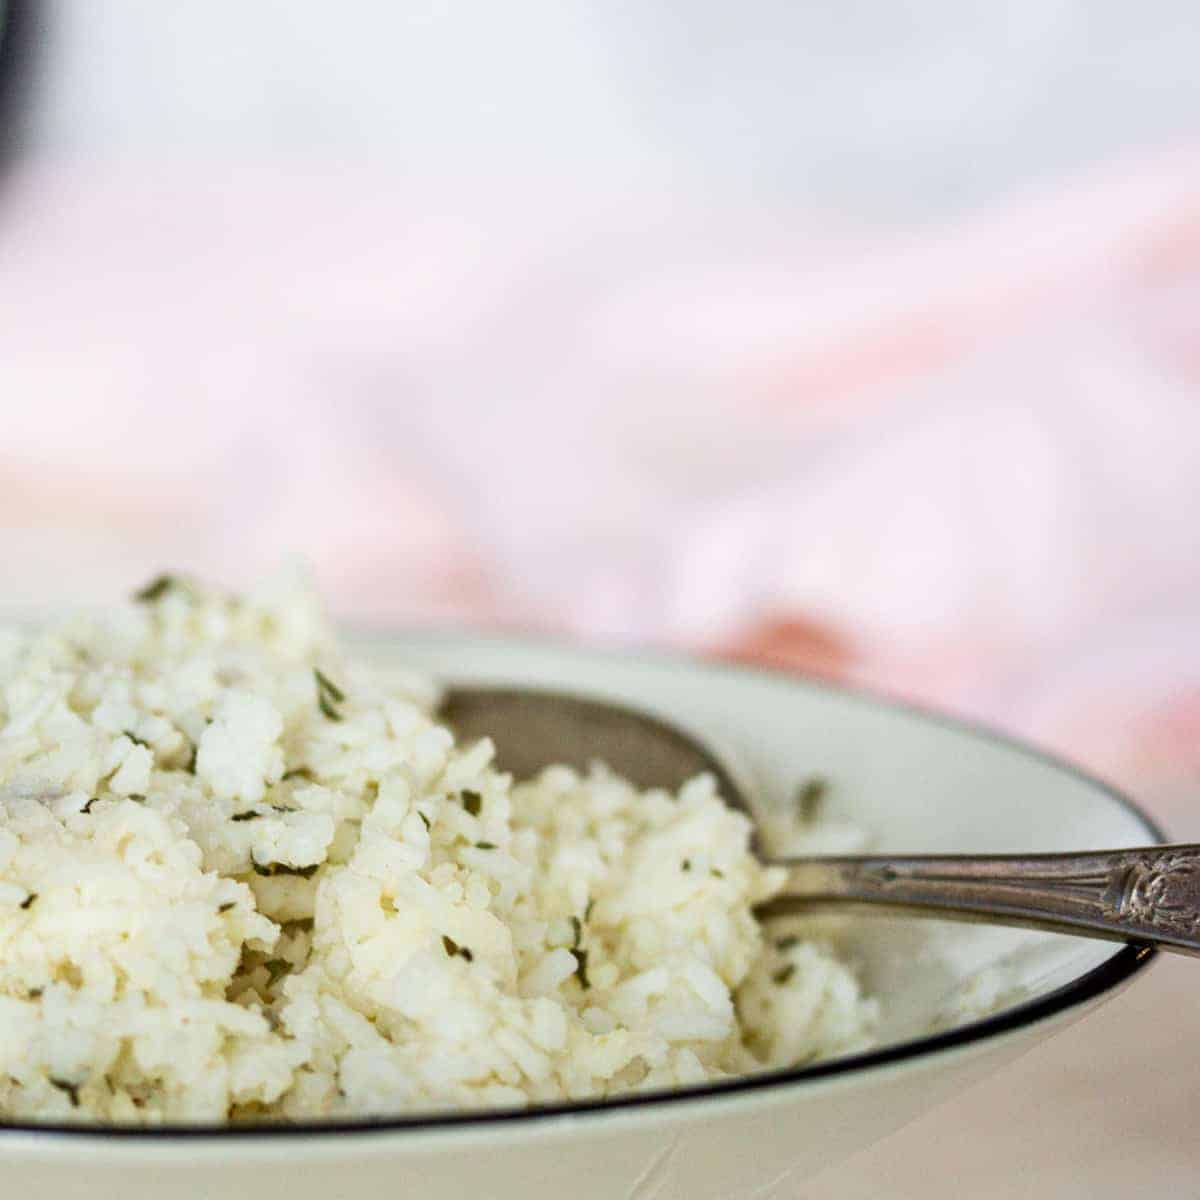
[231,891]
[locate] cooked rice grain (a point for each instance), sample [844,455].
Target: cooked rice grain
[244,878]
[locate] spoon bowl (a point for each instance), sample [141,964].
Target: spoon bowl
[533,728]
[1149,895]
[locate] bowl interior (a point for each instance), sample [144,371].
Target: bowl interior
[911,780]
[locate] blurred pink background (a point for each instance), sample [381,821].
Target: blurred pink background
[861,340]
[961,464]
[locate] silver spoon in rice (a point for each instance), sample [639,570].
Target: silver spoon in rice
[1149,895]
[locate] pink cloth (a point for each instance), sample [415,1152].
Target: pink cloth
[962,465]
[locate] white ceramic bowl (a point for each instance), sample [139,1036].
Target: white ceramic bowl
[914,780]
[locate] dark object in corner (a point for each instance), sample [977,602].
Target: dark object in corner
[21,38]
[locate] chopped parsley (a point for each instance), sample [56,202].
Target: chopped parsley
[328,695]
[325,684]
[485,845]
[65,1085]
[277,968]
[27,903]
[269,869]
[425,819]
[581,958]
[809,797]
[686,865]
[229,904]
[190,766]
[452,948]
[137,741]
[136,798]
[717,873]
[784,974]
[248,815]
[87,808]
[472,802]
[156,589]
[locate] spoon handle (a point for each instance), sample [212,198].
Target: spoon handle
[1149,895]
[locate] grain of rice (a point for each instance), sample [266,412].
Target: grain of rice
[174,790]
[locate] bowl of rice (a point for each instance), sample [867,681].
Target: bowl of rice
[264,920]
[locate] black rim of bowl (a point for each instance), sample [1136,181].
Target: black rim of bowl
[1109,975]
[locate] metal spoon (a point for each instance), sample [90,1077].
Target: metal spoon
[1149,895]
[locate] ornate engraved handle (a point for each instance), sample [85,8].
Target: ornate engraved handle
[1150,895]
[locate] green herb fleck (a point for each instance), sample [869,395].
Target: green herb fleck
[786,943]
[452,948]
[717,873]
[297,773]
[277,968]
[581,958]
[784,974]
[248,815]
[425,819]
[136,798]
[35,993]
[63,1085]
[27,903]
[577,928]
[190,767]
[687,864]
[155,589]
[472,802]
[269,869]
[227,906]
[137,741]
[809,797]
[326,685]
[87,808]
[485,845]
[328,694]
